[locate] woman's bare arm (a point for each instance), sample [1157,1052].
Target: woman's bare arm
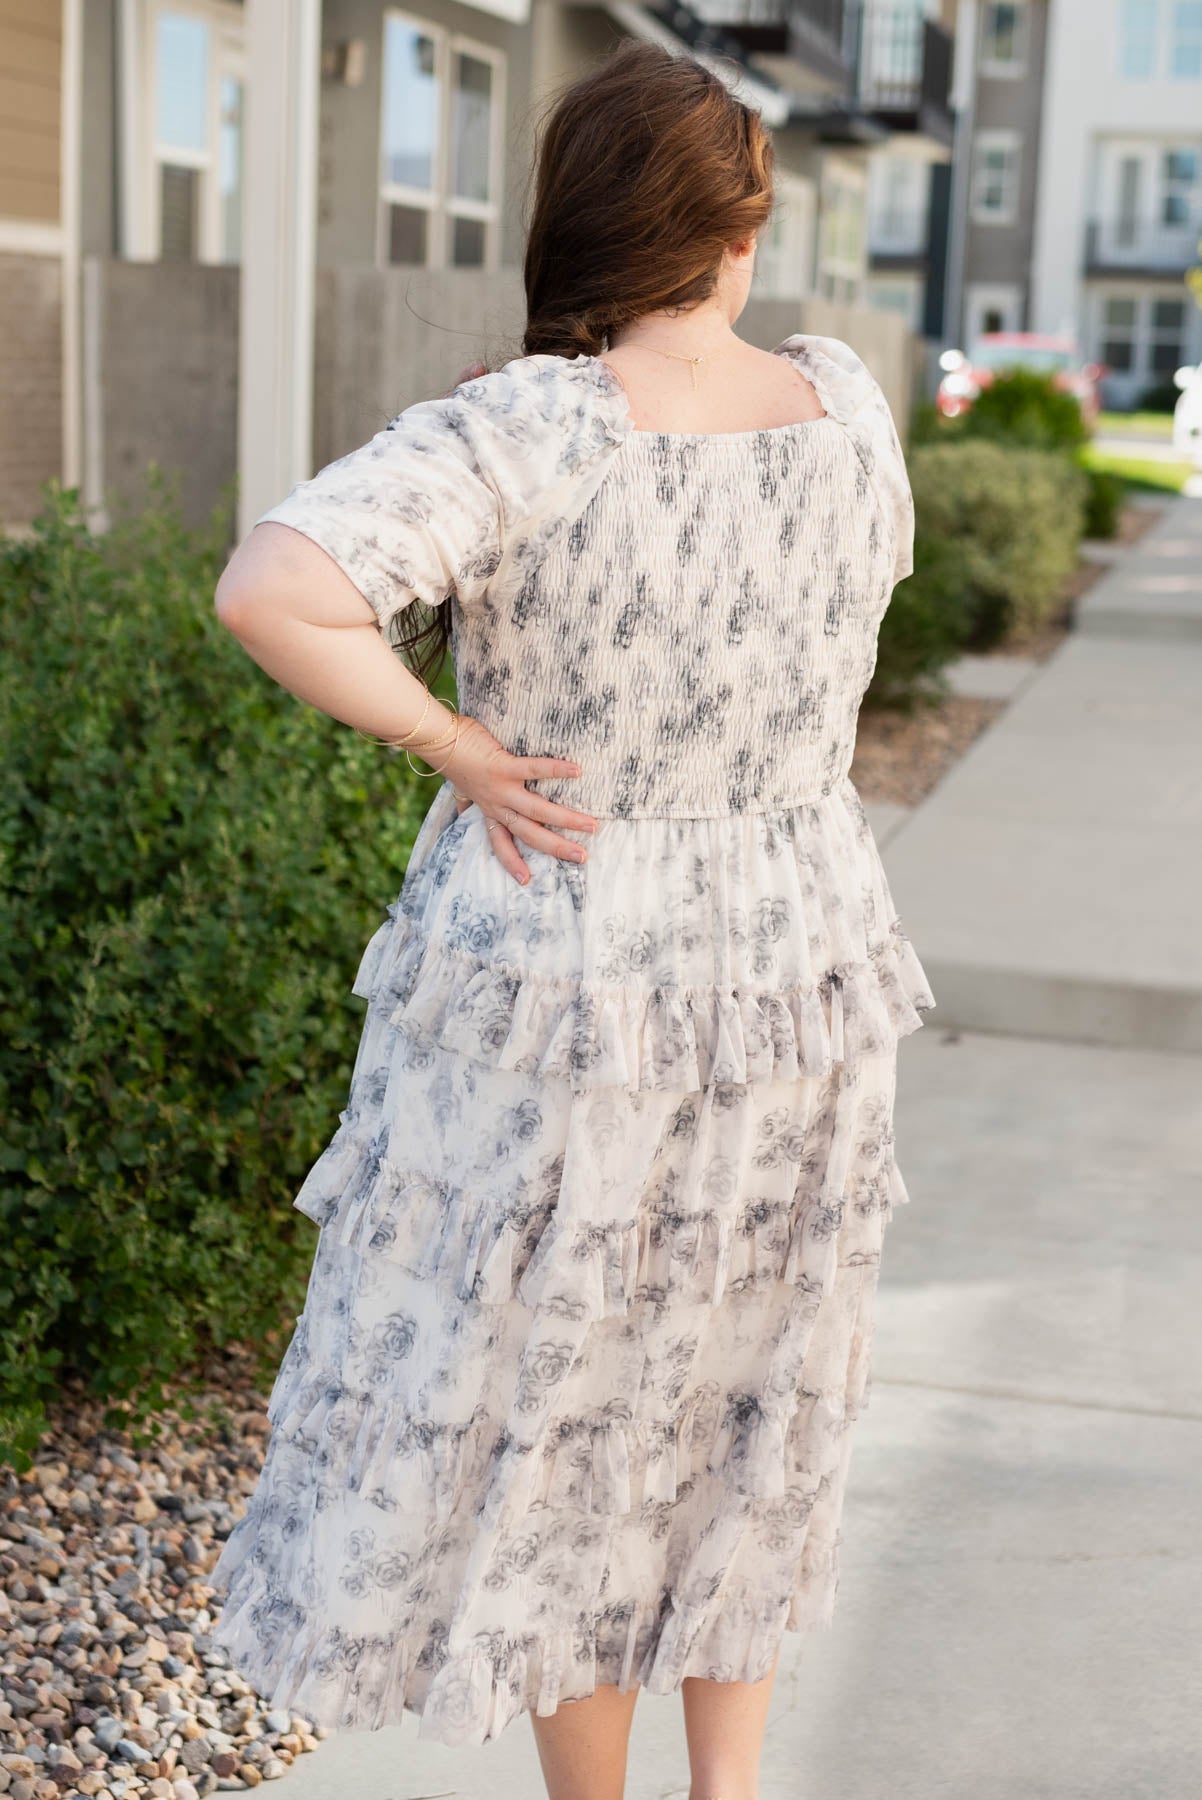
[306,624]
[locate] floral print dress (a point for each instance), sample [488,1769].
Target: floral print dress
[570,1400]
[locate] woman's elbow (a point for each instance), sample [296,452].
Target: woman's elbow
[241,598]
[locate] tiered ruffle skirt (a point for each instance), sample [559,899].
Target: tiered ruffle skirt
[591,1311]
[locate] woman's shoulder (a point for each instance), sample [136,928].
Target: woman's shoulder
[574,405]
[845,383]
[852,394]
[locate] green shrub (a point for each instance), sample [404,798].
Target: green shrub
[1010,518]
[1103,503]
[1161,397]
[192,864]
[1022,407]
[928,425]
[926,624]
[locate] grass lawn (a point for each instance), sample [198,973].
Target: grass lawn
[1135,424]
[1137,472]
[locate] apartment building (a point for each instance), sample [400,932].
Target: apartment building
[906,68]
[1118,205]
[1077,201]
[212,286]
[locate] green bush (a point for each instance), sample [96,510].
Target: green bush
[192,864]
[1161,397]
[1103,503]
[926,624]
[1008,521]
[1024,408]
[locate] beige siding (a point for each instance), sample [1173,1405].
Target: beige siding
[30,76]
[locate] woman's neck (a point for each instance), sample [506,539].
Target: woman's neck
[699,331]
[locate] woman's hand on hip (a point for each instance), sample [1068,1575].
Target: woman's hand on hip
[484,774]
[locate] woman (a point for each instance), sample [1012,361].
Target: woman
[567,1411]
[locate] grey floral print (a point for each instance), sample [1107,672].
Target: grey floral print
[590,1316]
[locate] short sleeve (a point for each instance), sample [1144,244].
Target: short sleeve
[459,491]
[853,395]
[410,515]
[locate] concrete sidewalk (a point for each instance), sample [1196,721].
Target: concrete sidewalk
[1022,1573]
[1052,880]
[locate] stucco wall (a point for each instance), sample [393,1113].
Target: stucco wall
[388,337]
[30,381]
[160,378]
[161,345]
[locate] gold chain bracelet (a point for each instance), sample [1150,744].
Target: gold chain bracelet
[435,746]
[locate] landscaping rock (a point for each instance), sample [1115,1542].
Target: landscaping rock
[111,1687]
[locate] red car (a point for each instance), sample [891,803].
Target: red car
[965,376]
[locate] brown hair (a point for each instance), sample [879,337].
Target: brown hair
[649,167]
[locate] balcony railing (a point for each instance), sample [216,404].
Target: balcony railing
[879,53]
[1125,244]
[903,64]
[818,32]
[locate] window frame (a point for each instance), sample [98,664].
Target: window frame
[789,240]
[1143,334]
[841,236]
[227,60]
[441,206]
[1126,39]
[1180,39]
[995,68]
[984,142]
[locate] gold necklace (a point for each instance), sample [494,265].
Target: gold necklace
[692,361]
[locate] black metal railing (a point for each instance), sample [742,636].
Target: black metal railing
[819,33]
[883,55]
[903,61]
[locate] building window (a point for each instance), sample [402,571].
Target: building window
[1118,333]
[1004,39]
[1144,336]
[196,84]
[1139,22]
[785,251]
[442,107]
[1166,338]
[1185,55]
[995,177]
[842,236]
[898,205]
[1179,186]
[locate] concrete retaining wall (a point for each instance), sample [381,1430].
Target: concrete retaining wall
[31,417]
[161,350]
[388,337]
[160,380]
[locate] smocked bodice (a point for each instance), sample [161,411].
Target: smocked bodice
[693,619]
[701,637]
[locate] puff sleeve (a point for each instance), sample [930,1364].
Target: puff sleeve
[852,394]
[459,494]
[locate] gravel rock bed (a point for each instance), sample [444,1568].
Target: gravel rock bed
[110,1684]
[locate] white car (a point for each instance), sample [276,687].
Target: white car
[1187,416]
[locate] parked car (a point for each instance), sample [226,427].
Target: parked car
[965,376]
[1187,416]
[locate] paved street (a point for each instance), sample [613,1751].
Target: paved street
[1022,1578]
